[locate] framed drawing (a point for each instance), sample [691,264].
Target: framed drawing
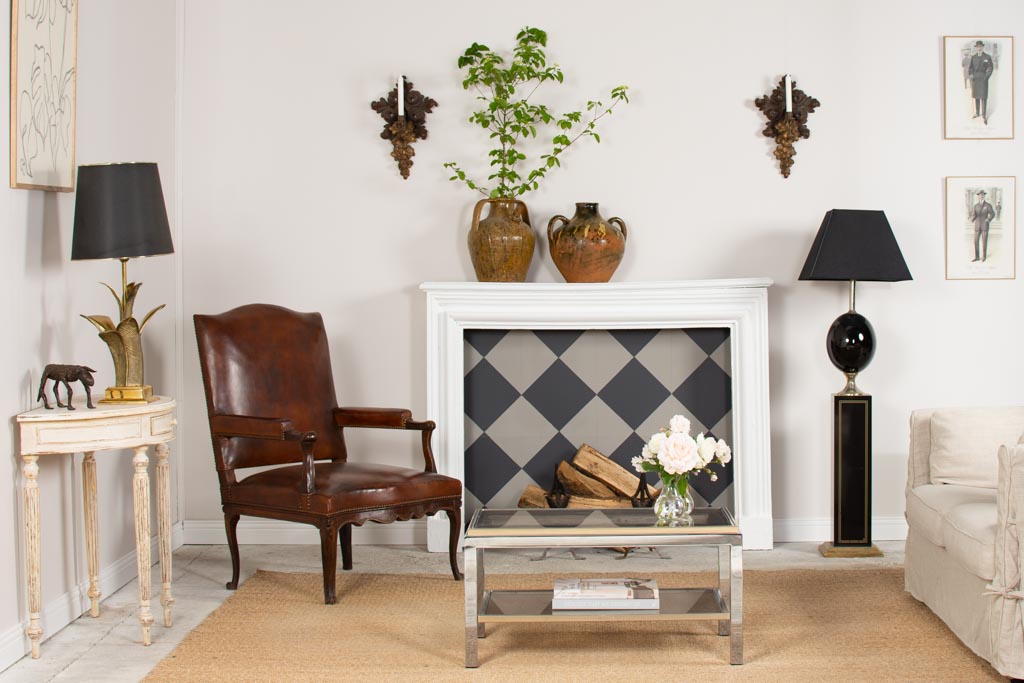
[981,239]
[978,85]
[44,46]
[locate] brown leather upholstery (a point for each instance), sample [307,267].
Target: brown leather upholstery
[344,486]
[271,401]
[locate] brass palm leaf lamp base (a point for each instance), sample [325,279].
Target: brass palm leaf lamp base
[852,245]
[120,213]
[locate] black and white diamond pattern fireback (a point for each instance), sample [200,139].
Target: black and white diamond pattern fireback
[532,397]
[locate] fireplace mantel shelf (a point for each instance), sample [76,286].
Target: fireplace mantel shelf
[741,305]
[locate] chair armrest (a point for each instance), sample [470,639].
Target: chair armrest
[389,418]
[273,429]
[384,418]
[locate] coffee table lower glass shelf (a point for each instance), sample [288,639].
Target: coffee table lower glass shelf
[492,529]
[677,604]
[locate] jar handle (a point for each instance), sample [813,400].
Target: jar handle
[476,213]
[622,226]
[551,225]
[525,215]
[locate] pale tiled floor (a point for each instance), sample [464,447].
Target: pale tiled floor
[108,648]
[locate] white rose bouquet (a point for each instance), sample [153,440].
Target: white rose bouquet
[674,455]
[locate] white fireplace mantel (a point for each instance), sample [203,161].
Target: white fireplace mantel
[741,305]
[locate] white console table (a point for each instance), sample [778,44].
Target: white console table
[107,427]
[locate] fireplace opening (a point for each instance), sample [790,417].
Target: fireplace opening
[532,398]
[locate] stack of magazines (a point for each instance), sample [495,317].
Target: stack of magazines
[572,594]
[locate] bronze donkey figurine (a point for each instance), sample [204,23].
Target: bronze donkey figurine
[66,374]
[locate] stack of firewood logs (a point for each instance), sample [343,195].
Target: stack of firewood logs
[588,480]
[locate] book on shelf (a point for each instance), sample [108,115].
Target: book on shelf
[618,593]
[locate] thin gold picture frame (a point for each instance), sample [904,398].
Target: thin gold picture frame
[43,138]
[948,98]
[976,181]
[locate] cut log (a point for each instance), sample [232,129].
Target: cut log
[598,503]
[580,484]
[608,472]
[533,497]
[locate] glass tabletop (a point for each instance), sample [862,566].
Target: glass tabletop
[589,522]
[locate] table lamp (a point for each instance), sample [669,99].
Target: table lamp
[853,245]
[120,214]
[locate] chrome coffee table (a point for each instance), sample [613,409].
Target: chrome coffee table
[493,529]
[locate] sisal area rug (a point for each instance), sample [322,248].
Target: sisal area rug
[808,625]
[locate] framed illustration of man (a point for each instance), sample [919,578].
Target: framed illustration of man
[978,85]
[981,228]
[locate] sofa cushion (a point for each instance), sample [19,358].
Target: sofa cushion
[928,507]
[970,537]
[965,443]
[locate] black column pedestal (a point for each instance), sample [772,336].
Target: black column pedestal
[851,444]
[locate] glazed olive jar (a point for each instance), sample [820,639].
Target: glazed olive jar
[501,245]
[586,248]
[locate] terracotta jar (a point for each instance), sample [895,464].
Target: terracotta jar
[587,248]
[501,245]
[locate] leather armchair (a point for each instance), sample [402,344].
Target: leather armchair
[271,401]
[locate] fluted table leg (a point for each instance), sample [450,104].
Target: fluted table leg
[163,522]
[140,486]
[92,531]
[30,469]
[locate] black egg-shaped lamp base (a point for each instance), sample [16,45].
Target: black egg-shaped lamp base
[851,346]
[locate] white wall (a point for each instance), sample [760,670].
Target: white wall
[290,196]
[126,98]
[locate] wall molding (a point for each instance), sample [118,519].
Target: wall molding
[817,529]
[66,608]
[256,531]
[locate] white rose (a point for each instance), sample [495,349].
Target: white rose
[656,441]
[638,462]
[723,452]
[679,425]
[706,448]
[678,454]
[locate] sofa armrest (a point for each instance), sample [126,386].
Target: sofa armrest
[1006,628]
[1009,508]
[918,466]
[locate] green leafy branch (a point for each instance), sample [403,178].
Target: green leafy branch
[511,120]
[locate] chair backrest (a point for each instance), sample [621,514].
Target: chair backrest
[267,361]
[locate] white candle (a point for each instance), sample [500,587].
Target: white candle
[789,94]
[401,96]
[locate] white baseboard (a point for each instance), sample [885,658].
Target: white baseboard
[820,529]
[257,531]
[64,609]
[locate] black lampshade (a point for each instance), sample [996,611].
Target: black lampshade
[852,244]
[120,213]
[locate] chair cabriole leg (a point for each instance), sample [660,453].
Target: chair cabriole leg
[231,525]
[454,532]
[329,553]
[346,547]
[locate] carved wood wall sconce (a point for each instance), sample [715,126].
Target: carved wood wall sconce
[786,109]
[405,120]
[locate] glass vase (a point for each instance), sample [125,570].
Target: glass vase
[674,505]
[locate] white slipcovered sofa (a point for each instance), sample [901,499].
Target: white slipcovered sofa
[965,491]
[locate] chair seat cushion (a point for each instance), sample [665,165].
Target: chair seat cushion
[961,519]
[343,487]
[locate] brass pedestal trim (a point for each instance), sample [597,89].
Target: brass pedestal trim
[121,395]
[827,549]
